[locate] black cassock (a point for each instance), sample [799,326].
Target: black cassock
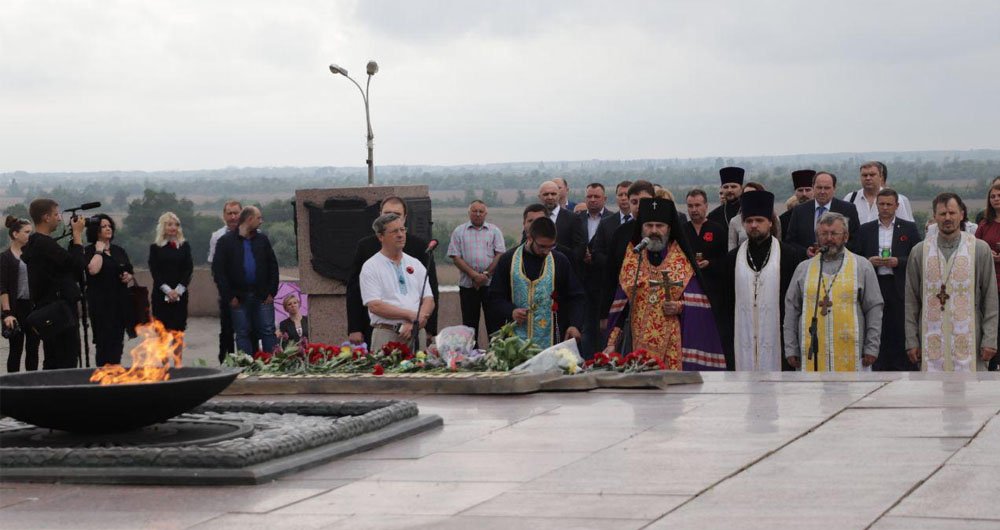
[724,213]
[791,256]
[570,294]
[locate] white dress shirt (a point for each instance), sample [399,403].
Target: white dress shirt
[869,212]
[885,241]
[380,280]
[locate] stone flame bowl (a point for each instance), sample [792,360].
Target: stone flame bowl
[66,400]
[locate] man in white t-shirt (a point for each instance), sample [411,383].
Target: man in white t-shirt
[231,216]
[873,178]
[392,287]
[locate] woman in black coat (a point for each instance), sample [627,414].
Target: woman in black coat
[296,326]
[108,273]
[15,298]
[171,267]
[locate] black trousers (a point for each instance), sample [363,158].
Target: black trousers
[473,302]
[227,337]
[892,352]
[26,340]
[63,351]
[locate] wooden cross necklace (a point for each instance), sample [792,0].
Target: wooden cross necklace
[825,304]
[942,294]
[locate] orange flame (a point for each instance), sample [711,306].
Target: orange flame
[150,359]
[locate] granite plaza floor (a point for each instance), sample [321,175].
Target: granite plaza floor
[735,452]
[884,451]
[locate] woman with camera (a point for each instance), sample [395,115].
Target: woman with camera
[171,266]
[15,299]
[108,273]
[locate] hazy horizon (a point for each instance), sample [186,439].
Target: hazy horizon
[137,86]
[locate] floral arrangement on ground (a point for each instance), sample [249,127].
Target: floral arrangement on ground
[451,353]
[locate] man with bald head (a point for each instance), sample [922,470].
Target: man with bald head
[571,235]
[564,194]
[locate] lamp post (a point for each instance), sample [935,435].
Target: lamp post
[372,69]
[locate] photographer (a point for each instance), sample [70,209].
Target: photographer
[108,273]
[15,298]
[52,282]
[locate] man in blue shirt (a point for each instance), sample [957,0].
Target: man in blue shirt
[246,272]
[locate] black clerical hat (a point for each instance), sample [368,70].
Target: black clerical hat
[731,174]
[657,210]
[803,178]
[757,204]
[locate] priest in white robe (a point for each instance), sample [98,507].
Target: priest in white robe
[833,307]
[951,296]
[761,270]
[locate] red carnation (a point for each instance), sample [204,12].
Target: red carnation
[262,356]
[903,237]
[378,370]
[409,270]
[708,237]
[316,358]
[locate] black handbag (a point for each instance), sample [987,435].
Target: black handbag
[51,320]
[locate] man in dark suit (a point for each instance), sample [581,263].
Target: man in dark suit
[802,181]
[571,236]
[802,223]
[359,327]
[887,242]
[601,242]
[564,194]
[591,219]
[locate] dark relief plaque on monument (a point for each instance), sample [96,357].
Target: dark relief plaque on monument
[336,227]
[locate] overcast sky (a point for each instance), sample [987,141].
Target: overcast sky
[193,84]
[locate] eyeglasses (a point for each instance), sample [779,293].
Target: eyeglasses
[830,234]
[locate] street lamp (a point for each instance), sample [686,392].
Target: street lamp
[372,69]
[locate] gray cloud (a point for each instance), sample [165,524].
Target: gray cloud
[189,84]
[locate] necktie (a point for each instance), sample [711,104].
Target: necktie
[628,217]
[820,211]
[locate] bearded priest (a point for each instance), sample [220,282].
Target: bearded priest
[834,299]
[951,295]
[761,270]
[660,303]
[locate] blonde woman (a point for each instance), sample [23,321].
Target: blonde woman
[171,266]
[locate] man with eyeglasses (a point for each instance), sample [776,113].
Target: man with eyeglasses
[536,287]
[393,287]
[834,301]
[359,328]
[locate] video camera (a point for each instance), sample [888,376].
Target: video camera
[93,220]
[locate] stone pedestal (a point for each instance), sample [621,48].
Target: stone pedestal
[327,309]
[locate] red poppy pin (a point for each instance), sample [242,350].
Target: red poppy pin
[409,270]
[708,237]
[555,302]
[903,238]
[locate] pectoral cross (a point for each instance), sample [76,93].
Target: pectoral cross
[825,304]
[943,296]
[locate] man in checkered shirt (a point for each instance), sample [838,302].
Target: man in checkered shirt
[475,249]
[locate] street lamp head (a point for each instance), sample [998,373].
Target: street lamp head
[334,69]
[372,67]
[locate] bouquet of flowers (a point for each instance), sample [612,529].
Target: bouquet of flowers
[638,361]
